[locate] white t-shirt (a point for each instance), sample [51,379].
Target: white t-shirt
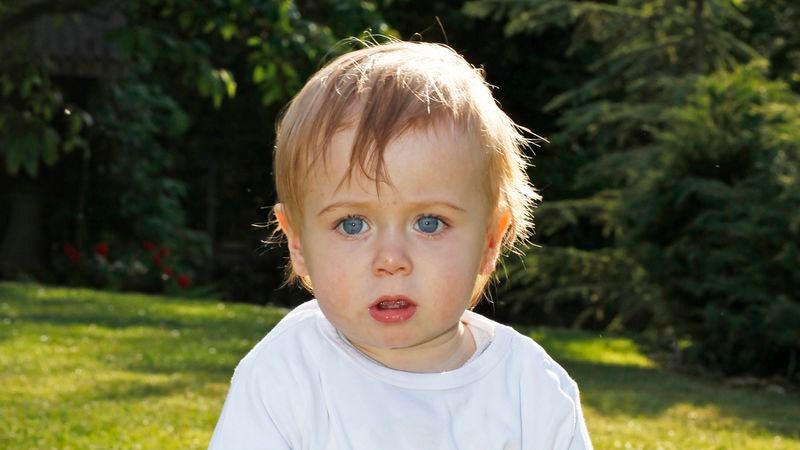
[304,387]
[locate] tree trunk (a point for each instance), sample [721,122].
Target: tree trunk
[23,247]
[211,215]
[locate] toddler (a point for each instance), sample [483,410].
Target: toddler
[400,182]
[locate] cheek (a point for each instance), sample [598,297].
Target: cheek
[333,295]
[453,273]
[332,273]
[328,279]
[466,253]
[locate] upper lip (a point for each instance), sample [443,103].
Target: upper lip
[392,298]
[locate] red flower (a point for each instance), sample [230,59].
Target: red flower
[167,271]
[72,253]
[184,281]
[157,260]
[149,246]
[164,252]
[101,249]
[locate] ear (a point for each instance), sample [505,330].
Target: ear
[295,246]
[497,230]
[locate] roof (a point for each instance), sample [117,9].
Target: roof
[77,42]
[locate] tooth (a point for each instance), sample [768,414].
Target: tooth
[393,304]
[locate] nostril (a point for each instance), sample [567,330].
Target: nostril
[391,265]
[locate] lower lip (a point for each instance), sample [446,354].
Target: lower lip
[392,315]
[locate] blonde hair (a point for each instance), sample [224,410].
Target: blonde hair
[384,90]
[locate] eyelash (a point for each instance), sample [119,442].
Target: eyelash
[344,219]
[444,225]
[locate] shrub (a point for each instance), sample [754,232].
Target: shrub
[715,219]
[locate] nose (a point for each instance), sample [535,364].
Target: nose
[391,257]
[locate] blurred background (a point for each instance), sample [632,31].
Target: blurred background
[136,149]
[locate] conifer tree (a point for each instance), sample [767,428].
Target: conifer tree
[619,252]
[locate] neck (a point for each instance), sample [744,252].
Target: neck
[444,353]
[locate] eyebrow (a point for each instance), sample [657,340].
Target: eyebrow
[363,205]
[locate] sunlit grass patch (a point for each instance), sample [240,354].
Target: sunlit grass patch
[595,348]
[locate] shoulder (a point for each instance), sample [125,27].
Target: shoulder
[293,339]
[529,363]
[548,398]
[519,344]
[535,359]
[273,384]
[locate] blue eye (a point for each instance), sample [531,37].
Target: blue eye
[352,226]
[429,224]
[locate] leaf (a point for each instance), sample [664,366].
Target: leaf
[74,124]
[29,155]
[50,141]
[75,143]
[25,88]
[228,31]
[259,74]
[6,86]
[227,79]
[477,9]
[13,160]
[185,19]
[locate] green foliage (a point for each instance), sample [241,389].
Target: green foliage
[564,286]
[198,41]
[715,221]
[137,130]
[132,128]
[690,182]
[774,34]
[568,282]
[643,50]
[36,124]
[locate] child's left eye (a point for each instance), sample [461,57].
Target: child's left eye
[430,225]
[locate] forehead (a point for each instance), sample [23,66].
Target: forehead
[421,163]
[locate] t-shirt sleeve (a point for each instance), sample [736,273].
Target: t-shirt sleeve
[553,407]
[246,422]
[580,438]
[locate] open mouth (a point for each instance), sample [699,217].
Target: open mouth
[392,308]
[392,304]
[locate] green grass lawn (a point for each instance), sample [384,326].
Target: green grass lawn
[83,369]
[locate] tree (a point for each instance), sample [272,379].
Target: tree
[715,219]
[652,58]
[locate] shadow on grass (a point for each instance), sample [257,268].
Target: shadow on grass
[138,389]
[118,311]
[147,334]
[638,391]
[106,313]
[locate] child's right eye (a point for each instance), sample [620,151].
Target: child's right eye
[352,225]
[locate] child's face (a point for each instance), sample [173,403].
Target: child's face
[397,270]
